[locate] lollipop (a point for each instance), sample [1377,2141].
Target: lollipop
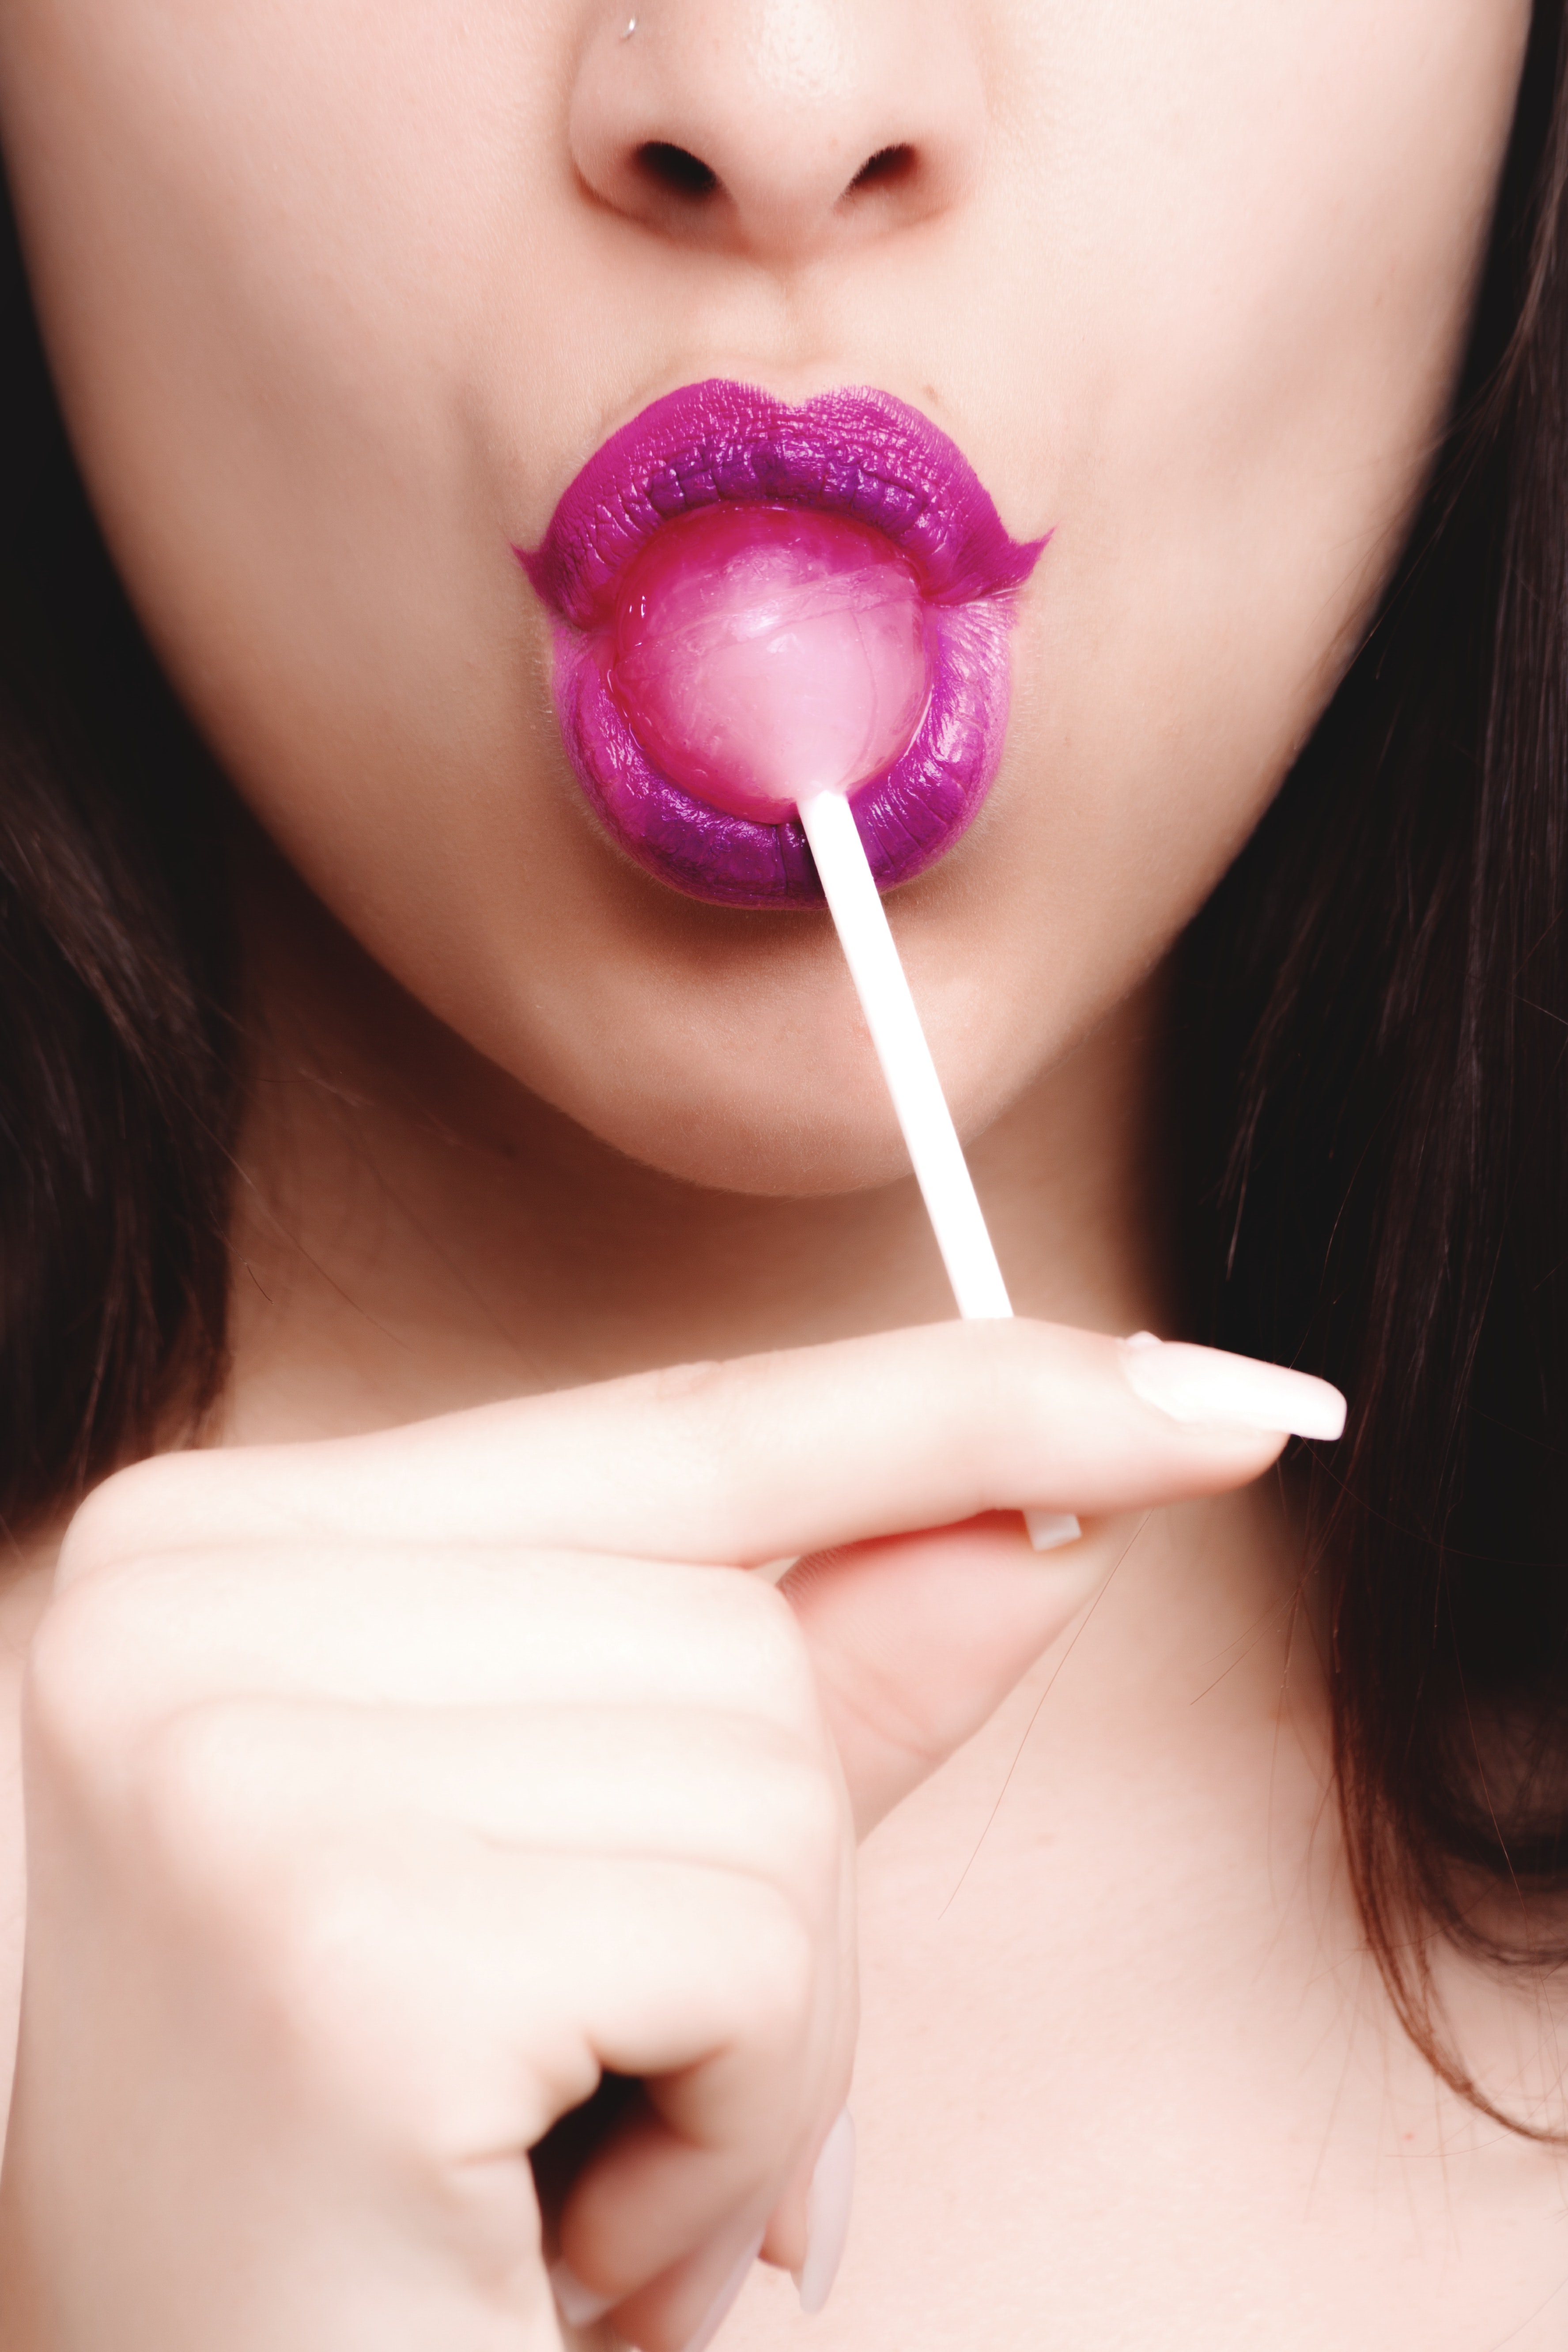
[772,659]
[761,651]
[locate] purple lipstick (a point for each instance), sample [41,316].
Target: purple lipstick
[751,601]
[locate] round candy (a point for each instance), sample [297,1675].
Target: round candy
[763,653]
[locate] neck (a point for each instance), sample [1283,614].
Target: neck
[416,1232]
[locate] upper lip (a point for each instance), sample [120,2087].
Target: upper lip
[861,452]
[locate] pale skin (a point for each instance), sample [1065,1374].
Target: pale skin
[383,1791]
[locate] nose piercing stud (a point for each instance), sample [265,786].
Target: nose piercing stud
[631,28]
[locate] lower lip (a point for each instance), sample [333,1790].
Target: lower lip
[746,640]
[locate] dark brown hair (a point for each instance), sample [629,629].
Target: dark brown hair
[1375,1020]
[118,1073]
[1376,1035]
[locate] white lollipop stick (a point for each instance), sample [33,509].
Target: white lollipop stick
[940,1170]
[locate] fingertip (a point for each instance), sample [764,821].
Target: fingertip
[828,2209]
[1209,1387]
[578,2305]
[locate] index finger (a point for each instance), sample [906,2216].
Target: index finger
[748,1461]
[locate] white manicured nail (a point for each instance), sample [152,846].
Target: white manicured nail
[578,2304]
[827,2216]
[1048,1531]
[1197,1384]
[724,2302]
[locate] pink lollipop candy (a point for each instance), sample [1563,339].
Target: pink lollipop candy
[762,653]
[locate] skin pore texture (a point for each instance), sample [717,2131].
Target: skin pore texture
[340,303]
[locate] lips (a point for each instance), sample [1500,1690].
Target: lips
[862,456]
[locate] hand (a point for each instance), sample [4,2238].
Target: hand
[384,1794]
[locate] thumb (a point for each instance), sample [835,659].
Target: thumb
[917,1639]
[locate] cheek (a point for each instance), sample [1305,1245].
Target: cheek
[1263,245]
[274,243]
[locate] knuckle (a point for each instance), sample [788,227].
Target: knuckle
[117,1520]
[80,1666]
[110,1653]
[1011,1380]
[709,1418]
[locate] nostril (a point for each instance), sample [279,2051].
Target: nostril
[887,165]
[684,175]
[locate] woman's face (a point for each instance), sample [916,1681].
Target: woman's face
[341,296]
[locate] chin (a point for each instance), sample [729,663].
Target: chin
[780,1147]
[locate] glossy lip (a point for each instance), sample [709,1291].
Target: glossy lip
[857,452]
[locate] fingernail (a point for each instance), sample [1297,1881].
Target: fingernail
[1196,1384]
[827,2216]
[724,2302]
[1048,1531]
[578,2304]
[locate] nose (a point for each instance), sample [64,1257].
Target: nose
[778,129]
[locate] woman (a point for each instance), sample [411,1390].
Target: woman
[410,1762]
